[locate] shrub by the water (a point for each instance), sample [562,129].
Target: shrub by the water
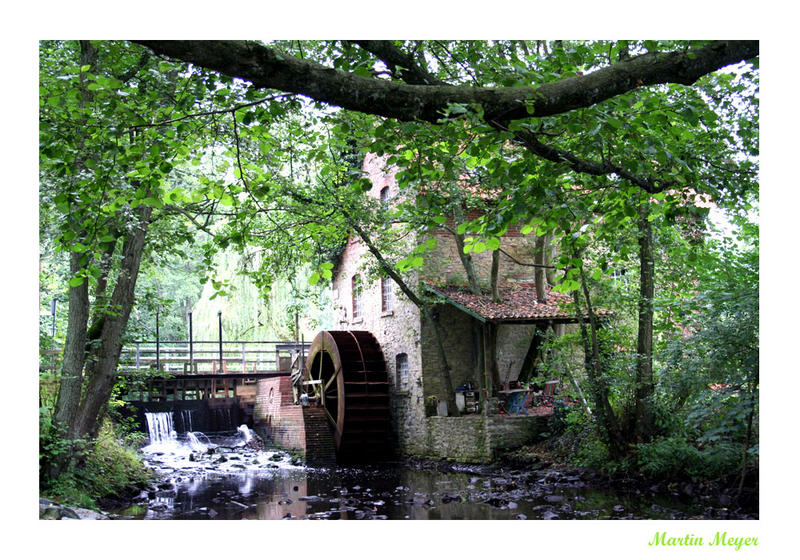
[676,458]
[107,467]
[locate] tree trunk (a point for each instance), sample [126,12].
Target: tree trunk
[531,361]
[100,310]
[466,258]
[540,278]
[490,355]
[69,389]
[101,383]
[594,372]
[549,271]
[495,276]
[643,418]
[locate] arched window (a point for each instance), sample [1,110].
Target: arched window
[385,196]
[401,362]
[356,288]
[386,294]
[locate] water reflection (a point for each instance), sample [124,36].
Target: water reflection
[231,481]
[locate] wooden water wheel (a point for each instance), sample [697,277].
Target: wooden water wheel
[346,375]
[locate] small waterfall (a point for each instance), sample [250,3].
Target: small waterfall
[160,427]
[245,431]
[194,442]
[186,416]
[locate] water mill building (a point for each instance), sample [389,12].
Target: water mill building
[402,409]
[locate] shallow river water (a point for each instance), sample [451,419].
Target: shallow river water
[222,478]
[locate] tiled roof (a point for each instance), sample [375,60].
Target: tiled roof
[518,303]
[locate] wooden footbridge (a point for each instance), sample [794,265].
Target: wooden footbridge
[189,370]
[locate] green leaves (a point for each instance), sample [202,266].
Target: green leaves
[473,245]
[325,272]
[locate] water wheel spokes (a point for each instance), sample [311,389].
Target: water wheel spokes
[347,372]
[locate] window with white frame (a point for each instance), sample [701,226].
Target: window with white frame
[401,363]
[386,294]
[356,288]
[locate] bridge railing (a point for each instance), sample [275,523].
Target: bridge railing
[209,357]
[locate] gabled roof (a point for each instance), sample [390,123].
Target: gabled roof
[518,305]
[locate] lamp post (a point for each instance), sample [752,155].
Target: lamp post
[158,344]
[53,314]
[219,317]
[191,345]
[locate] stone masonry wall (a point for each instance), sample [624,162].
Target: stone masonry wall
[461,345]
[396,330]
[479,438]
[443,264]
[462,340]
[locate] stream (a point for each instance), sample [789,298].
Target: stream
[234,476]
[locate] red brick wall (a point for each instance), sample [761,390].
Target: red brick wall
[292,426]
[276,413]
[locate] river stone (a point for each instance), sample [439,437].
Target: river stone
[553,499]
[50,513]
[84,513]
[549,514]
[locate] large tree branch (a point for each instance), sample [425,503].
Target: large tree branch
[557,155]
[401,64]
[265,67]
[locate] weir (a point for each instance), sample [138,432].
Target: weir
[206,388]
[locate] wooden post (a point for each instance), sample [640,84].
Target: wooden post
[490,357]
[138,355]
[244,362]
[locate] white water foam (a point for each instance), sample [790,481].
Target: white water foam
[246,434]
[194,442]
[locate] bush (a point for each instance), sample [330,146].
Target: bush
[557,422]
[88,470]
[676,458]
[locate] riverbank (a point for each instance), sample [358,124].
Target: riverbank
[236,483]
[230,478]
[723,498]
